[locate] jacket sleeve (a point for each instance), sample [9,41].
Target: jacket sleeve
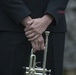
[56,9]
[15,9]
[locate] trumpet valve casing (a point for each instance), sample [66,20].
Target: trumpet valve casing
[36,71]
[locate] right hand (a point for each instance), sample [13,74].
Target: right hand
[38,43]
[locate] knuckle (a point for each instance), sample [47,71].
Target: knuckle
[40,41]
[32,27]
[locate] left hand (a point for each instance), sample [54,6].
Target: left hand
[38,44]
[38,26]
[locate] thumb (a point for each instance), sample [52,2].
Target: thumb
[30,22]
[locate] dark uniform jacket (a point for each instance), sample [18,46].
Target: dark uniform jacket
[12,12]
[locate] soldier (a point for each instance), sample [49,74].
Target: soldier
[22,23]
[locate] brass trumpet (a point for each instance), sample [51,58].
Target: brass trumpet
[32,69]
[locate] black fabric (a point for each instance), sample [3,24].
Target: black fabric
[12,12]
[14,51]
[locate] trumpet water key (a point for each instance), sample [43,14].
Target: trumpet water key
[32,69]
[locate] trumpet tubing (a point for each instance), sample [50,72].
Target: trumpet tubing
[32,69]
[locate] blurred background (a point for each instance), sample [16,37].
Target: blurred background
[70,41]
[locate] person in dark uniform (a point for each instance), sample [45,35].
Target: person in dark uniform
[22,25]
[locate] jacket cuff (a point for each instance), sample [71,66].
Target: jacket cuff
[56,16]
[21,15]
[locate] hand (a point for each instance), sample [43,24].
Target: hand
[38,44]
[37,27]
[25,21]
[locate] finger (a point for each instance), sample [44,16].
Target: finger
[28,32]
[33,46]
[31,39]
[26,29]
[41,42]
[42,46]
[37,47]
[30,22]
[31,27]
[30,36]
